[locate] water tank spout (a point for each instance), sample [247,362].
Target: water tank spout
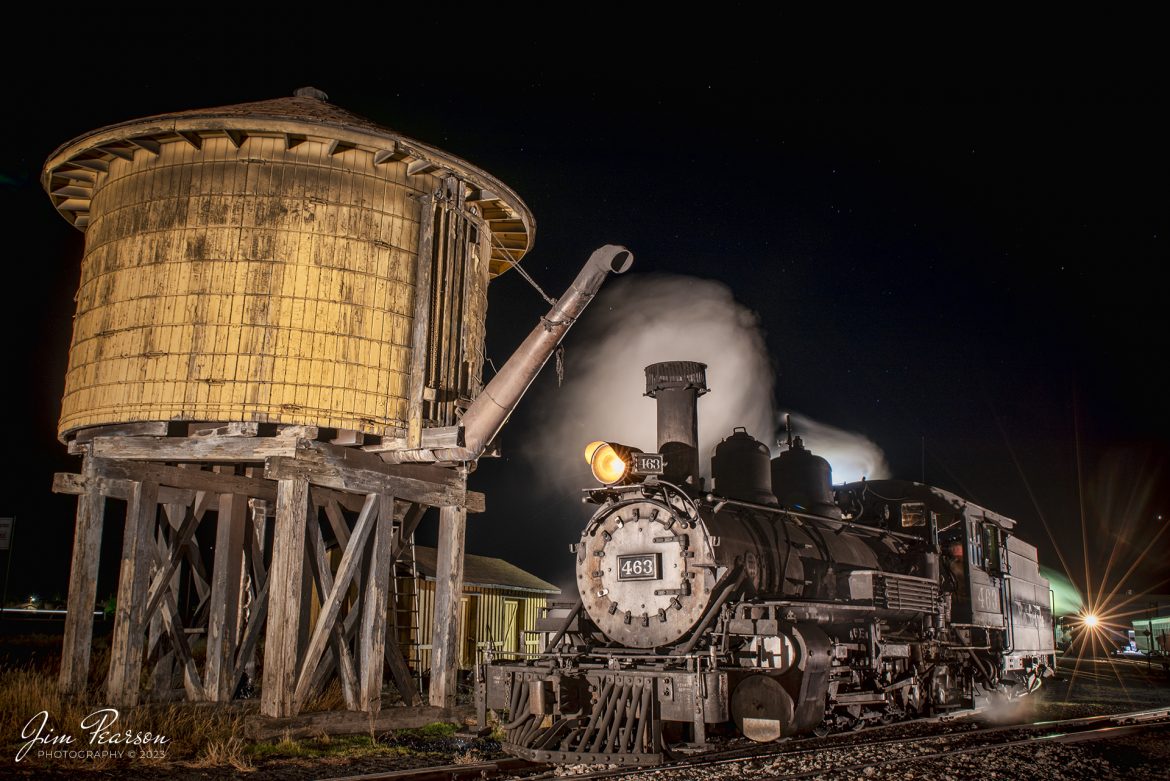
[491,409]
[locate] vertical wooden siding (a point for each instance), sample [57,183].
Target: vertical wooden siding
[489,619]
[257,283]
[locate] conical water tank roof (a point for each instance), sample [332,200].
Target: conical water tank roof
[296,119]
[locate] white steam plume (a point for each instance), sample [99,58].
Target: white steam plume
[645,319]
[852,456]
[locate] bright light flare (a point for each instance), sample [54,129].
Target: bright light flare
[608,461]
[608,466]
[1095,634]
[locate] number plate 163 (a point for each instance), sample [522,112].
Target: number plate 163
[647,464]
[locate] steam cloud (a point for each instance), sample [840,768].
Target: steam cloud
[852,456]
[1067,597]
[645,319]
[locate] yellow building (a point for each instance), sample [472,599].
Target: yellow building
[498,610]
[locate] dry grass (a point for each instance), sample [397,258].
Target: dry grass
[329,698]
[26,693]
[233,751]
[469,757]
[204,734]
[200,735]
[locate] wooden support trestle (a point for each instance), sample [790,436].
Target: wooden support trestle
[308,539]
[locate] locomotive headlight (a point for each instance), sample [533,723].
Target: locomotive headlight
[590,449]
[1090,620]
[609,461]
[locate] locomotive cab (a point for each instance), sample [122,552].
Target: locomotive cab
[998,601]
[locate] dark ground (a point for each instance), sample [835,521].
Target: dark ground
[1098,687]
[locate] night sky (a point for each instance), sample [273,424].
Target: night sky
[972,269]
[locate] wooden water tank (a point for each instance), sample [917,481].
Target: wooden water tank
[278,262]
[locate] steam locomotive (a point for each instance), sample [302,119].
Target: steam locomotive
[773,604]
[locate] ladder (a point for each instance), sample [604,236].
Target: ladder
[406,610]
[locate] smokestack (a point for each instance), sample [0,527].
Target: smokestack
[677,386]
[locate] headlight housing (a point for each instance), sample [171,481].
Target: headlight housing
[610,462]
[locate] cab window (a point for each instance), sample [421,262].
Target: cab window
[913,514]
[991,550]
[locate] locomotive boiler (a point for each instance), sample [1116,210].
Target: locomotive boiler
[769,603]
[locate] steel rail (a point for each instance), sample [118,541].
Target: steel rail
[1097,733]
[473,770]
[1150,718]
[1064,731]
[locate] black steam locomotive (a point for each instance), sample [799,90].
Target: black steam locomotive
[775,602]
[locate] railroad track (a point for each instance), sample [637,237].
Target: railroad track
[1095,733]
[509,766]
[500,768]
[810,757]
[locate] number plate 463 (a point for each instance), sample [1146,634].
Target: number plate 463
[643,566]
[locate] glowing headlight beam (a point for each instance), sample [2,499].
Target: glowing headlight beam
[610,462]
[608,466]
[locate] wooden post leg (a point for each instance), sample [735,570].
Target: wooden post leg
[225,597]
[285,594]
[155,630]
[87,545]
[372,635]
[138,551]
[307,594]
[448,590]
[247,660]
